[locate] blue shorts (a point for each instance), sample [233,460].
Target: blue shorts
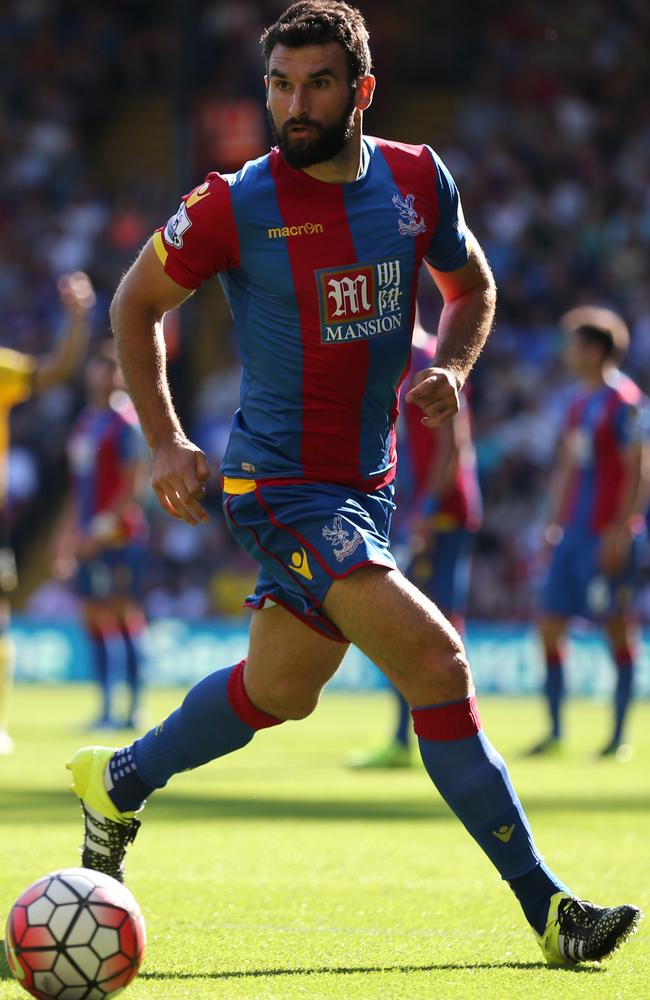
[115,572]
[442,572]
[305,536]
[576,587]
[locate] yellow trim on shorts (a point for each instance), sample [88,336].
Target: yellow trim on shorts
[238,486]
[446,522]
[159,247]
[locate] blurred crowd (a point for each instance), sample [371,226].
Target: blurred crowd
[63,74]
[551,150]
[547,135]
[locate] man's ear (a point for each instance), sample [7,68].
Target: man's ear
[365,91]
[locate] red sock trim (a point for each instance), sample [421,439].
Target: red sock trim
[553,661]
[107,630]
[241,704]
[101,633]
[456,720]
[134,623]
[624,658]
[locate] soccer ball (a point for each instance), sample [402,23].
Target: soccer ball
[75,934]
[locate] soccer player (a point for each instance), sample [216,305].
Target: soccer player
[598,496]
[22,375]
[318,246]
[438,510]
[106,529]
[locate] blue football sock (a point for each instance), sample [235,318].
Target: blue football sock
[473,779]
[102,669]
[125,787]
[554,691]
[133,667]
[623,692]
[403,719]
[215,718]
[534,890]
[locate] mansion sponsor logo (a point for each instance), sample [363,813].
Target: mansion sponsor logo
[305,229]
[359,302]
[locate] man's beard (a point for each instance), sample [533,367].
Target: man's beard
[327,142]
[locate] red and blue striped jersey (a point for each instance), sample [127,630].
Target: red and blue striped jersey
[601,426]
[460,504]
[104,444]
[321,280]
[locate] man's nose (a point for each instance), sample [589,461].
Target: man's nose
[298,104]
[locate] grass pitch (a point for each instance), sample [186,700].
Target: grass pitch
[277,873]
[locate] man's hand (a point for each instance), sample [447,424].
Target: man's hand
[614,550]
[422,533]
[179,474]
[76,294]
[435,391]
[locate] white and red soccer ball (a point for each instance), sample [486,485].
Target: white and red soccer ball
[75,934]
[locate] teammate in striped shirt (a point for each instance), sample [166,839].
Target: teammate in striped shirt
[438,511]
[105,528]
[318,246]
[599,494]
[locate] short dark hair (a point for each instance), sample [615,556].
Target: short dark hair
[596,325]
[317,22]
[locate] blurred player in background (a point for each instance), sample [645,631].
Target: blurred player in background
[318,246]
[105,531]
[22,375]
[438,511]
[599,493]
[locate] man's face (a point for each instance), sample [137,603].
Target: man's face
[311,102]
[582,358]
[102,377]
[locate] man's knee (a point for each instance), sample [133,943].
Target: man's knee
[449,670]
[290,705]
[300,709]
[551,630]
[284,699]
[438,672]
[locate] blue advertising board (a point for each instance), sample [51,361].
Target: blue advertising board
[505,659]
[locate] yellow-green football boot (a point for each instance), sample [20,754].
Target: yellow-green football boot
[577,931]
[108,832]
[390,756]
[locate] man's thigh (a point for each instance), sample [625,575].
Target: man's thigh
[288,663]
[306,535]
[403,632]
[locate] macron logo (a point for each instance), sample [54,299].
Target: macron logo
[306,229]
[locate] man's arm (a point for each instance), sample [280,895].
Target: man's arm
[469,295]
[78,298]
[143,297]
[557,490]
[616,540]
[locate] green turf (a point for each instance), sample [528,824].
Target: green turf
[278,874]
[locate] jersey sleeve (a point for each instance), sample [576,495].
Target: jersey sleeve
[450,245]
[16,373]
[201,238]
[131,444]
[630,425]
